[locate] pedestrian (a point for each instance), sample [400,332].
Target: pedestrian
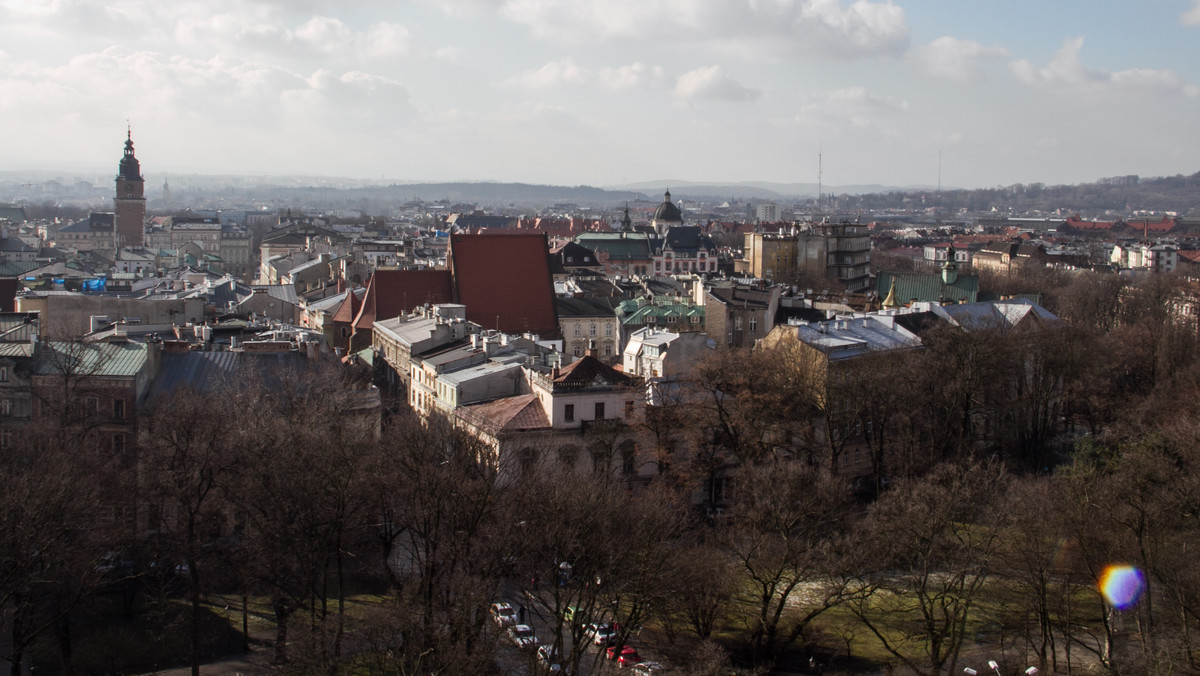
[521,614]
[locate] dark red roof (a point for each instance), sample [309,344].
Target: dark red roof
[588,371]
[391,293]
[1077,223]
[349,308]
[505,281]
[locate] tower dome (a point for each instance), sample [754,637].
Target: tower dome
[129,169]
[668,212]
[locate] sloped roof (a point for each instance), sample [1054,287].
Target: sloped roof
[92,359]
[505,281]
[205,371]
[616,245]
[1004,315]
[348,308]
[591,372]
[928,286]
[686,238]
[510,414]
[391,293]
[587,307]
[859,336]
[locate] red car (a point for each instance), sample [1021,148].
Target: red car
[628,655]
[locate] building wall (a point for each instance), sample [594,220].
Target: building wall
[69,315]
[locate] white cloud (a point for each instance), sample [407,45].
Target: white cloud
[1192,16]
[552,75]
[711,83]
[1066,70]
[567,73]
[853,104]
[778,28]
[956,60]
[179,90]
[635,76]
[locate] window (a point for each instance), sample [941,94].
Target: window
[567,456]
[93,405]
[628,464]
[608,350]
[629,409]
[569,413]
[721,489]
[577,352]
[737,323]
[608,330]
[592,330]
[578,330]
[528,457]
[119,409]
[753,325]
[671,319]
[599,410]
[6,439]
[6,407]
[696,320]
[3,374]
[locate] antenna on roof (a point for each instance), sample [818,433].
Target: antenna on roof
[819,172]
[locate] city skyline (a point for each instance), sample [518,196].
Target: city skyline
[608,92]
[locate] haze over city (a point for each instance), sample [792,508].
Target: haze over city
[607,92]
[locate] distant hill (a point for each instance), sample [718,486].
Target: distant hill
[749,190]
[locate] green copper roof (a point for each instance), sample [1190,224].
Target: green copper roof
[924,286]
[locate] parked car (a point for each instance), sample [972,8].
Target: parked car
[600,633]
[627,656]
[648,669]
[571,614]
[522,636]
[503,614]
[550,658]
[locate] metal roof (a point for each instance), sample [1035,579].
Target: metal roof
[92,359]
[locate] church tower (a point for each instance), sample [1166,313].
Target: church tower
[130,201]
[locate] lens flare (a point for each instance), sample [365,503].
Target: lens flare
[1122,585]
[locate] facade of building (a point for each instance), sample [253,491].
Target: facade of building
[684,250]
[738,316]
[770,256]
[837,251]
[590,326]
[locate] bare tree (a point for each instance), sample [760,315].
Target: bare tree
[926,552]
[789,519]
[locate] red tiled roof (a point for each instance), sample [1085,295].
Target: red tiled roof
[510,414]
[505,281]
[391,293]
[1190,255]
[1165,224]
[349,308]
[588,370]
[1079,224]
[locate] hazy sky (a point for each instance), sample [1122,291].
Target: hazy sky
[602,92]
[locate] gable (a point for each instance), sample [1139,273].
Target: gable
[505,281]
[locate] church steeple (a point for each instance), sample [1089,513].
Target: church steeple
[129,204]
[950,267]
[626,221]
